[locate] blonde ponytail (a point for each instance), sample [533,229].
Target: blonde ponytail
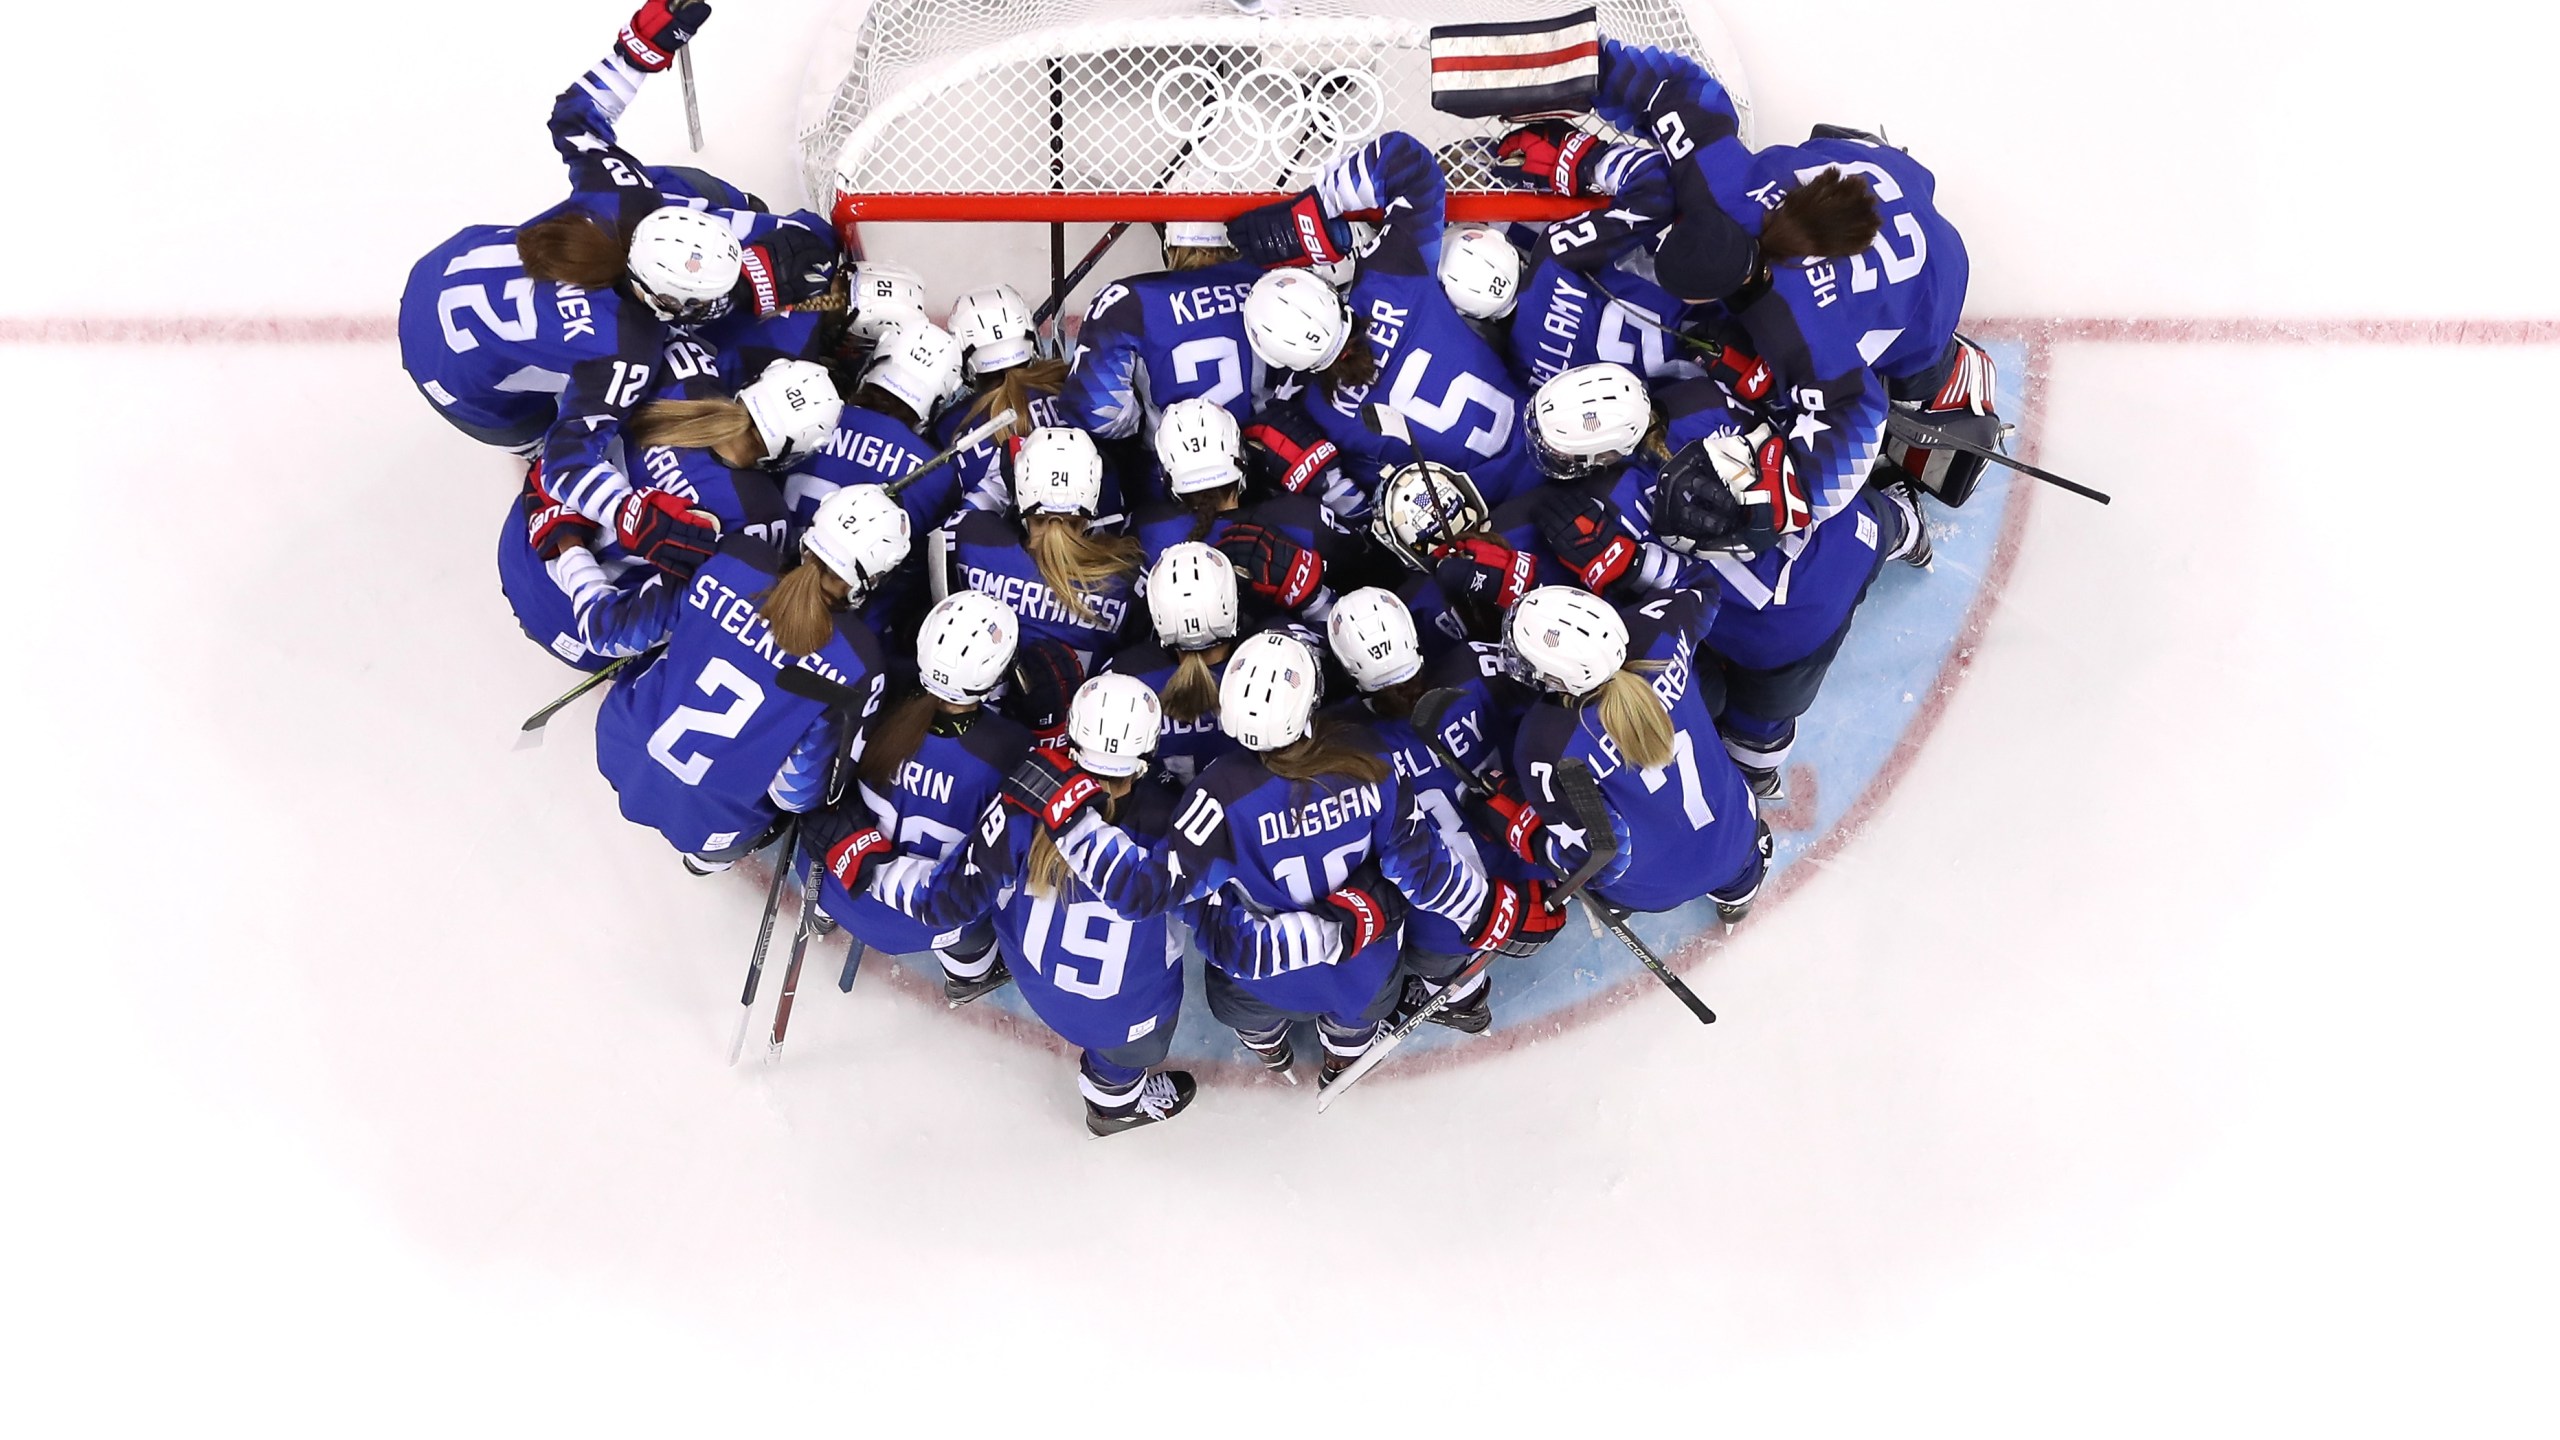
[1074,561]
[1635,720]
[1013,392]
[1192,694]
[1329,753]
[801,607]
[722,427]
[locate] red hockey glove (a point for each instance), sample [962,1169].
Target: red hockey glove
[1744,375]
[1588,535]
[551,525]
[1757,469]
[1515,919]
[791,266]
[667,531]
[1273,566]
[1286,451]
[658,30]
[1295,231]
[1510,819]
[1364,916]
[852,858]
[1480,567]
[1049,787]
[1551,155]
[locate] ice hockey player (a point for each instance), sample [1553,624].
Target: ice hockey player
[999,349]
[1107,982]
[880,436]
[1200,464]
[702,743]
[931,764]
[1172,334]
[1787,602]
[1626,700]
[1394,339]
[1069,580]
[1286,826]
[1193,602]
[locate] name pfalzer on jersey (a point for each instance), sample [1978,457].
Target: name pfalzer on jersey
[1332,812]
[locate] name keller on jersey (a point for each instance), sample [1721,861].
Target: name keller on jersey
[737,614]
[1335,810]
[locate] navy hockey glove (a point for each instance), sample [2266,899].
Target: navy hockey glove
[1052,789]
[1694,511]
[667,531]
[791,266]
[1515,919]
[1551,155]
[852,859]
[1295,231]
[1273,566]
[1285,451]
[1046,675]
[551,525]
[1588,535]
[658,30]
[1509,819]
[1484,569]
[1366,908]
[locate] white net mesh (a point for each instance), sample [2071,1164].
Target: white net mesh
[1096,96]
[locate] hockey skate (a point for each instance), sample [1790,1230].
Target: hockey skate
[695,865]
[1160,1096]
[1276,1057]
[1765,784]
[1916,550]
[1471,1016]
[959,990]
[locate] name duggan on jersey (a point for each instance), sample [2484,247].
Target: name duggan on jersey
[1338,809]
[737,614]
[1034,601]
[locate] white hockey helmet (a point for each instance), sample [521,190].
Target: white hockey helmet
[795,407]
[1112,725]
[1340,273]
[965,645]
[861,533]
[994,328]
[883,295]
[1371,633]
[1563,637]
[1198,446]
[683,264]
[1268,696]
[1057,472]
[1479,272]
[1295,321]
[1426,504]
[918,362]
[1191,592]
[1588,419]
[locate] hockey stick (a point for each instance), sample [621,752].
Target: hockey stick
[985,430]
[1057,300]
[800,937]
[784,862]
[692,105]
[533,723]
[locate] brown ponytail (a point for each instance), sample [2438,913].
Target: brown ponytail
[1207,505]
[722,427]
[1395,702]
[572,249]
[1013,390]
[1328,753]
[1827,217]
[1356,366]
[801,607]
[894,739]
[1635,720]
[1198,257]
[1075,562]
[879,401]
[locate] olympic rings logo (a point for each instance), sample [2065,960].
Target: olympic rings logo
[1268,117]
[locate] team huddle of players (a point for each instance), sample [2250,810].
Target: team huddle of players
[1153,649]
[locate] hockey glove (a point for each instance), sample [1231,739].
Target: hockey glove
[1295,231]
[551,525]
[1511,820]
[1743,375]
[1759,472]
[1285,451]
[1588,535]
[667,531]
[791,266]
[1485,570]
[658,30]
[1367,909]
[852,859]
[1050,788]
[1046,674]
[1271,565]
[1694,512]
[1515,919]
[1551,155]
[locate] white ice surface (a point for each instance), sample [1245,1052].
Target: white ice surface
[2169,1056]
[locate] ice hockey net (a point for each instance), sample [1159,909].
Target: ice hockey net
[1153,109]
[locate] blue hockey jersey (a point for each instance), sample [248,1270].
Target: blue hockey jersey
[1183,747]
[929,812]
[869,448]
[982,551]
[1153,339]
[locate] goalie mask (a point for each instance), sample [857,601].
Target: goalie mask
[1588,419]
[795,407]
[682,265]
[1423,506]
[1112,725]
[1563,638]
[1268,697]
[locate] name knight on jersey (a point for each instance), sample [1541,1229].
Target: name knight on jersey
[1335,810]
[737,614]
[871,452]
[1034,601]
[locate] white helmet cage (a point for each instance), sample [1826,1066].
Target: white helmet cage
[795,407]
[1371,633]
[918,362]
[1198,446]
[683,264]
[1191,593]
[1112,725]
[1057,472]
[1295,321]
[1426,504]
[1587,419]
[994,329]
[1479,272]
[965,645]
[883,295]
[1563,638]
[861,533]
[1268,697]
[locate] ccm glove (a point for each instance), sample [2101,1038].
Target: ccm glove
[1295,231]
[1273,566]
[1515,919]
[1046,674]
[658,30]
[1286,452]
[791,266]
[1551,155]
[667,531]
[1052,789]
[1588,535]
[1484,569]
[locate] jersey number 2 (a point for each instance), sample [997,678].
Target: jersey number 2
[475,298]
[717,676]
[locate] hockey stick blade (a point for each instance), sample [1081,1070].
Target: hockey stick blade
[1615,919]
[810,685]
[1395,1035]
[959,447]
[1919,434]
[533,723]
